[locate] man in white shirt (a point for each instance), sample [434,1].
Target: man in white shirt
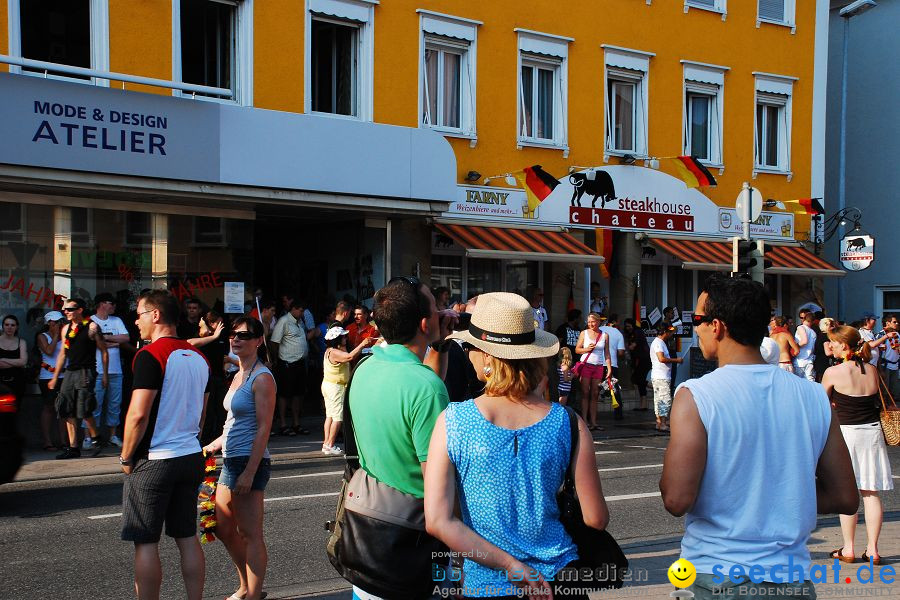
[867,333]
[751,509]
[661,374]
[289,346]
[114,333]
[535,296]
[889,340]
[806,339]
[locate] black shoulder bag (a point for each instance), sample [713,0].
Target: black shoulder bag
[597,549]
[378,540]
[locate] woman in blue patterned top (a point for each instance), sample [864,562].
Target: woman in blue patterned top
[506,454]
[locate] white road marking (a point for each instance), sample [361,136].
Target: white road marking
[608,452]
[633,496]
[628,468]
[107,516]
[302,496]
[646,447]
[308,475]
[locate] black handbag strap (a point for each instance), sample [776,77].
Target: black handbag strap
[351,452]
[569,481]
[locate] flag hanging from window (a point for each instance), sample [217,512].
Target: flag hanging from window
[604,239]
[692,172]
[810,205]
[538,184]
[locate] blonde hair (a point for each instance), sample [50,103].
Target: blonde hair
[565,357]
[515,378]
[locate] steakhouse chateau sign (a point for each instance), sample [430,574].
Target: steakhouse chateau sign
[619,197]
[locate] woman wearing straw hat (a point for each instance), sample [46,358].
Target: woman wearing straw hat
[596,367]
[506,454]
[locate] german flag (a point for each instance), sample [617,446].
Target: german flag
[604,239]
[810,205]
[538,184]
[692,172]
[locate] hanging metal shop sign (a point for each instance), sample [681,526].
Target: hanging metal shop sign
[857,251]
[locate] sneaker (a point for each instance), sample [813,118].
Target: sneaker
[96,447]
[86,444]
[326,449]
[69,453]
[335,450]
[115,441]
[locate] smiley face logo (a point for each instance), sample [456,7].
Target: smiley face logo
[682,573]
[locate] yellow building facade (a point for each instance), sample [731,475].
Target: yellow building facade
[583,85]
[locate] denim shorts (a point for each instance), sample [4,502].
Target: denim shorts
[233,466]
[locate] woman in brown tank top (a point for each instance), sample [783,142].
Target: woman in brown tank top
[852,387]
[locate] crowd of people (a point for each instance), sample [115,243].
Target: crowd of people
[464,390]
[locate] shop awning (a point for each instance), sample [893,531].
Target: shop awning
[716,256]
[501,242]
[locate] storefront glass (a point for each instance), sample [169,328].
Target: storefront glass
[446,271]
[483,276]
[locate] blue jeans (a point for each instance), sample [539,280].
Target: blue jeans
[111,396]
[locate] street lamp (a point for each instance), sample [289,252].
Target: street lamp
[848,12]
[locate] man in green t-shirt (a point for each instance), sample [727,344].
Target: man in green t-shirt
[395,398]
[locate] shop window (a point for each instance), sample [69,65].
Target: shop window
[519,275]
[447,88]
[651,287]
[209,231]
[483,275]
[780,12]
[703,107]
[81,225]
[66,32]
[542,96]
[138,229]
[12,222]
[446,271]
[213,46]
[772,147]
[680,290]
[890,301]
[626,85]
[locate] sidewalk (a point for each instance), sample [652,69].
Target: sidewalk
[650,561]
[42,465]
[654,558]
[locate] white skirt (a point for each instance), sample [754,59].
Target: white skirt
[869,455]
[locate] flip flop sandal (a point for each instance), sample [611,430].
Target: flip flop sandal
[839,554]
[865,559]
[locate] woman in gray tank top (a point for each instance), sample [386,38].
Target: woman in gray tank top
[250,402]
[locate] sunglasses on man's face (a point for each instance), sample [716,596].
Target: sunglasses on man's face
[698,320]
[244,336]
[70,309]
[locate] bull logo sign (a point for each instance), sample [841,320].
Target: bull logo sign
[857,252]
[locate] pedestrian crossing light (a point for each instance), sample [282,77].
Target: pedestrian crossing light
[748,258]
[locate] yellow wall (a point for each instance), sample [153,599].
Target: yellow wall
[140,41]
[662,28]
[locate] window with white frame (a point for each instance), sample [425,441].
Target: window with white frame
[542,93]
[715,5]
[703,108]
[212,46]
[626,85]
[776,11]
[447,88]
[772,147]
[339,57]
[66,32]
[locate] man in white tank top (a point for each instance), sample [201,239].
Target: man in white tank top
[806,339]
[755,453]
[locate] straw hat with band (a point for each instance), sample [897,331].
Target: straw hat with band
[503,326]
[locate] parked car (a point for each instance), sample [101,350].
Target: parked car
[11,442]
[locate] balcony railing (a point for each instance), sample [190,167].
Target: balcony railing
[49,67]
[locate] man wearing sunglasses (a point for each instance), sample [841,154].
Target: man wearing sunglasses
[82,343]
[755,453]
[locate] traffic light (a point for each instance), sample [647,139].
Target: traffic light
[743,255]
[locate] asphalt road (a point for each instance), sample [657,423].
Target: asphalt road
[60,537]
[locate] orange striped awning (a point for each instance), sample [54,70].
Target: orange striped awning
[716,256]
[502,242]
